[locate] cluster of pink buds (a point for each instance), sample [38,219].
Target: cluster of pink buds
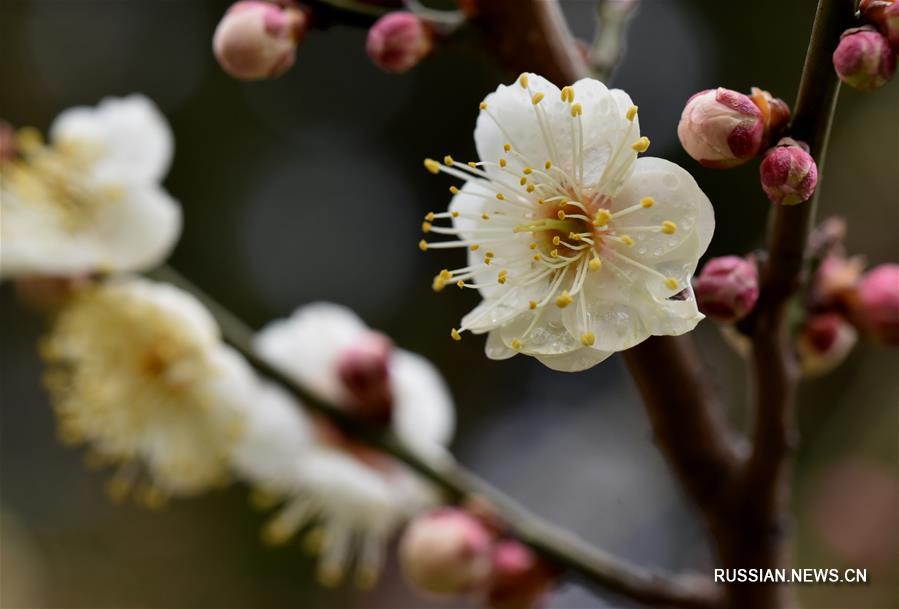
[866,56]
[258,39]
[721,128]
[842,303]
[452,552]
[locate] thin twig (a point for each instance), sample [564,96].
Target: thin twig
[593,565]
[608,45]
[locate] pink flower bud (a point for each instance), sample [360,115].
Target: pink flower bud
[878,303]
[257,40]
[721,128]
[727,288]
[885,15]
[825,341]
[446,552]
[364,370]
[864,59]
[889,27]
[519,578]
[788,173]
[398,41]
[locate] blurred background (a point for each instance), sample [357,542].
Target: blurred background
[267,173]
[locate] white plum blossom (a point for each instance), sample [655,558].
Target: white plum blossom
[90,199]
[137,371]
[308,346]
[354,497]
[578,248]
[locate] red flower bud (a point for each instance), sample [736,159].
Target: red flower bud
[398,41]
[519,578]
[364,370]
[788,172]
[727,288]
[885,15]
[825,341]
[864,59]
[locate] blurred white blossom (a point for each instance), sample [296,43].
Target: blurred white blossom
[578,248]
[353,498]
[137,371]
[90,199]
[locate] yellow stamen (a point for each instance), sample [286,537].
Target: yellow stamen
[627,240]
[425,227]
[595,264]
[454,334]
[576,110]
[500,196]
[631,113]
[482,105]
[587,339]
[538,97]
[647,202]
[602,217]
[423,245]
[430,216]
[432,165]
[516,344]
[671,283]
[454,190]
[474,247]
[669,227]
[507,147]
[641,145]
[564,299]
[448,160]
[502,162]
[532,304]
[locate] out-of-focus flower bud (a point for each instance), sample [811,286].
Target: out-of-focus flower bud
[775,113]
[519,579]
[864,59]
[837,277]
[788,173]
[48,294]
[257,39]
[885,15]
[721,128]
[398,41]
[364,370]
[877,306]
[446,552]
[825,341]
[8,147]
[727,288]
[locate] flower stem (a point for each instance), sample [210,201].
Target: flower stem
[762,505]
[568,551]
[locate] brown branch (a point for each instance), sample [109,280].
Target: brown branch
[531,36]
[761,507]
[569,552]
[687,419]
